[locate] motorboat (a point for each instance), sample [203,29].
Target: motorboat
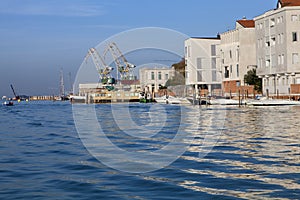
[272,102]
[198,101]
[167,99]
[224,101]
[8,103]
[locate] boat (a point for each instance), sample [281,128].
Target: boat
[145,97]
[167,99]
[78,99]
[197,101]
[224,101]
[272,102]
[9,103]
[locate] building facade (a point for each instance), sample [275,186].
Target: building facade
[153,78]
[202,61]
[237,56]
[278,48]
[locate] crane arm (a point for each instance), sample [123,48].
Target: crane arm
[103,69]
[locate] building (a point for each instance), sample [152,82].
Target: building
[278,48]
[155,77]
[202,61]
[238,56]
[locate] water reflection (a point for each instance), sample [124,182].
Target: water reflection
[258,146]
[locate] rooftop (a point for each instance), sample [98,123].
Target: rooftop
[286,3]
[246,23]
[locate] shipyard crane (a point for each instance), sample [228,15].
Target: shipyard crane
[124,67]
[103,69]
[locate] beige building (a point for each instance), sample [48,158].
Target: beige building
[202,61]
[238,55]
[154,77]
[278,48]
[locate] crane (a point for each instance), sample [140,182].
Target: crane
[103,69]
[124,67]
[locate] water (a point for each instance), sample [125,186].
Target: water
[255,154]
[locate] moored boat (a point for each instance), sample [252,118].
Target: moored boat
[273,102]
[167,99]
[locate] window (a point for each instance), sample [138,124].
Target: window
[166,76]
[231,70]
[230,54]
[294,18]
[223,61]
[199,63]
[199,76]
[159,75]
[152,76]
[213,63]
[294,36]
[268,62]
[237,70]
[279,59]
[213,50]
[273,60]
[214,75]
[226,75]
[282,59]
[273,40]
[295,58]
[278,20]
[272,22]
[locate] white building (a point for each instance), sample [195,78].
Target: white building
[278,48]
[154,77]
[238,54]
[202,61]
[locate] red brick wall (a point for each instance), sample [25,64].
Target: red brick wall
[295,88]
[233,88]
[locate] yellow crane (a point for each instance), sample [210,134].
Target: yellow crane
[125,69]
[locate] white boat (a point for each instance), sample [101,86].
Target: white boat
[167,99]
[77,99]
[225,102]
[272,102]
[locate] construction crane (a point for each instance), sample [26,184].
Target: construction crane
[124,67]
[103,69]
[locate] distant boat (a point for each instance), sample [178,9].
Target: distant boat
[272,102]
[9,103]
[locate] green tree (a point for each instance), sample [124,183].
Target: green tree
[252,79]
[180,67]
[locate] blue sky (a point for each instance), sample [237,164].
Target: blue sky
[38,38]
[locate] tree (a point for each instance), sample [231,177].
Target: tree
[252,79]
[180,67]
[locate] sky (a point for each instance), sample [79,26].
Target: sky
[39,38]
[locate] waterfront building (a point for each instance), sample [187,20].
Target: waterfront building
[153,78]
[278,48]
[237,56]
[202,61]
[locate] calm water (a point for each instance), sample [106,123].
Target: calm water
[254,153]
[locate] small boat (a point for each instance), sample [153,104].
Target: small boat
[167,99]
[9,103]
